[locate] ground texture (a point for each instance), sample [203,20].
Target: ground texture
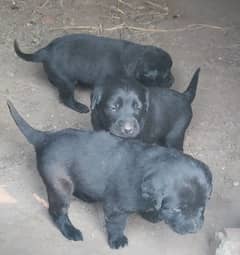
[213,135]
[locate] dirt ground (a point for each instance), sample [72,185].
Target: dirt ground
[213,136]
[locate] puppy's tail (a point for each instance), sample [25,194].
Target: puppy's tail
[190,92]
[38,56]
[33,136]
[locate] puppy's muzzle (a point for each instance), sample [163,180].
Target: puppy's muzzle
[170,80]
[165,81]
[126,128]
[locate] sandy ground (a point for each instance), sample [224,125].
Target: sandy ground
[213,136]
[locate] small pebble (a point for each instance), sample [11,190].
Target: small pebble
[176,16]
[35,41]
[10,74]
[219,236]
[32,22]
[14,6]
[235,183]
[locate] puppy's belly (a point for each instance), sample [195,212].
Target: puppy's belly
[84,197]
[88,191]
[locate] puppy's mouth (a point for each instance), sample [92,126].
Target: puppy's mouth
[168,81]
[125,129]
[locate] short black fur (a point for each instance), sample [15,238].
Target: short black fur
[84,59]
[127,176]
[154,115]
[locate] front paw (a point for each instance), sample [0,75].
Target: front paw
[82,108]
[151,216]
[72,233]
[118,242]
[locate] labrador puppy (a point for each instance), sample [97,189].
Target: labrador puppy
[85,59]
[126,175]
[121,109]
[154,115]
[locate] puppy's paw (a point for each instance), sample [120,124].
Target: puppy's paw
[81,108]
[72,233]
[151,216]
[118,242]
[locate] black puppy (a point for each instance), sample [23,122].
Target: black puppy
[125,175]
[85,59]
[154,115]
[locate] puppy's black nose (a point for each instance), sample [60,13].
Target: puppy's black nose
[128,128]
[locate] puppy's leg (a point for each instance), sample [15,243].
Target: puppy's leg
[95,119]
[59,195]
[115,224]
[66,93]
[67,97]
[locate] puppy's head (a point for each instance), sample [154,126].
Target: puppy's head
[121,106]
[154,68]
[180,202]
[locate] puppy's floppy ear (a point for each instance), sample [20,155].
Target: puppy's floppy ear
[147,99]
[147,187]
[96,96]
[152,190]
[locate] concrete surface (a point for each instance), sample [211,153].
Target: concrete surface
[229,242]
[213,136]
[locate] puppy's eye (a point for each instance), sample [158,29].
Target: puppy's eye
[176,210]
[151,74]
[137,106]
[115,107]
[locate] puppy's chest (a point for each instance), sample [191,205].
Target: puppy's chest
[152,132]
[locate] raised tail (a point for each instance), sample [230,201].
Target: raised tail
[33,136]
[38,56]
[190,92]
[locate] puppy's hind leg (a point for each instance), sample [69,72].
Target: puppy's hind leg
[67,97]
[59,195]
[66,93]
